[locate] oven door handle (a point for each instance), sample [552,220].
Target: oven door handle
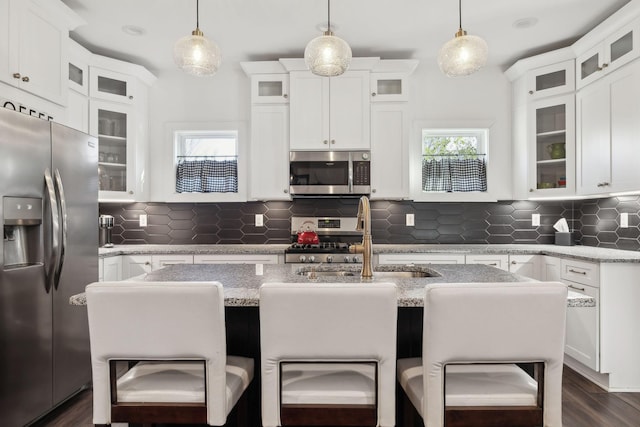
[350,179]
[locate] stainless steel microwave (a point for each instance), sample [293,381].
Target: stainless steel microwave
[336,173]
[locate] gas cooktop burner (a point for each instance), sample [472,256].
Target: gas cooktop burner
[335,236]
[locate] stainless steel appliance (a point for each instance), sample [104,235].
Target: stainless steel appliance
[313,173]
[335,235]
[106,224]
[49,202]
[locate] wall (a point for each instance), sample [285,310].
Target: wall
[595,221]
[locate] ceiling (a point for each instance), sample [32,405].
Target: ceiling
[250,30]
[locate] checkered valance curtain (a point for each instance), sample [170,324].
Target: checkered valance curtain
[207,176]
[453,174]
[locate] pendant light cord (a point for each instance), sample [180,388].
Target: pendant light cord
[328,15]
[197,13]
[460,14]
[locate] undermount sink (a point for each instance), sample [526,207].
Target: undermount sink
[386,271]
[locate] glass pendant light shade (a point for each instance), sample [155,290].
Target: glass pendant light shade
[463,55]
[197,55]
[327,55]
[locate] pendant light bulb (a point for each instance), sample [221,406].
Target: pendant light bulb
[328,55]
[195,54]
[464,54]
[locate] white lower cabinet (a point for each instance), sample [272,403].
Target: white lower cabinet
[525,265]
[495,260]
[235,259]
[135,265]
[550,268]
[421,259]
[111,269]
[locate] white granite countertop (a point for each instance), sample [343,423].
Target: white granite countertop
[242,281]
[587,253]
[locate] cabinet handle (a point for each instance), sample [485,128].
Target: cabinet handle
[577,288]
[333,141]
[25,79]
[130,191]
[147,263]
[373,190]
[325,142]
[571,270]
[605,65]
[373,94]
[603,184]
[513,262]
[16,75]
[285,96]
[493,263]
[130,96]
[530,92]
[286,191]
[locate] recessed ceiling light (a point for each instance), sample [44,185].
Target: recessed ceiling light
[523,23]
[133,30]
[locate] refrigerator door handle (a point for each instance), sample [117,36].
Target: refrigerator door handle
[51,263]
[63,228]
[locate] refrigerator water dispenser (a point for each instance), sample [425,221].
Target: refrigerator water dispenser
[22,230]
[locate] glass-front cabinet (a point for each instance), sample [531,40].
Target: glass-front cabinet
[270,89]
[552,146]
[386,87]
[112,123]
[551,80]
[111,86]
[616,50]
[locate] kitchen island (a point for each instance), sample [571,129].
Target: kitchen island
[242,281]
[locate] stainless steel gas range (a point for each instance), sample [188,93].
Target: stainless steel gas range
[335,235]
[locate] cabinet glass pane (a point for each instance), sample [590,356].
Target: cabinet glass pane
[270,88]
[112,86]
[622,46]
[551,80]
[390,87]
[112,153]
[590,66]
[551,165]
[76,74]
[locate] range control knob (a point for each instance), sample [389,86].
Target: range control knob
[346,259]
[312,259]
[303,258]
[329,258]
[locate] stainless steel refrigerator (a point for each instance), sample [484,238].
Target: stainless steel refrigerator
[49,211]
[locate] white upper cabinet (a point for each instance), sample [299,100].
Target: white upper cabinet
[33,46]
[389,87]
[270,89]
[78,73]
[112,85]
[329,113]
[616,49]
[554,79]
[608,131]
[390,151]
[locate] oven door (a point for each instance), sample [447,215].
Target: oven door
[320,172]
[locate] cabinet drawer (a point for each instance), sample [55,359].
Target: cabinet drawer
[421,259]
[582,331]
[586,273]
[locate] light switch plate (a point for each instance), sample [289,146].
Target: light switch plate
[624,220]
[535,220]
[410,220]
[142,221]
[259,220]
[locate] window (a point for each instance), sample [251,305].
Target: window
[207,161]
[454,160]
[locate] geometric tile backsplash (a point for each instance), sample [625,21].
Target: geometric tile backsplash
[595,222]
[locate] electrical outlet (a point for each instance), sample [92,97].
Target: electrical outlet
[624,220]
[259,220]
[142,220]
[535,220]
[410,220]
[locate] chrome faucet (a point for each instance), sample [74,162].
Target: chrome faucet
[365,248]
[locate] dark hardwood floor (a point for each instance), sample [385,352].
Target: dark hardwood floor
[583,405]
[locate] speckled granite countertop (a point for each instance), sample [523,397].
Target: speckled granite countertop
[242,281]
[586,253]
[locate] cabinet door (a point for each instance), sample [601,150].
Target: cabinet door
[350,116]
[135,265]
[37,49]
[269,152]
[589,66]
[389,151]
[113,124]
[111,85]
[270,88]
[77,111]
[550,269]
[309,114]
[551,80]
[582,334]
[112,269]
[389,87]
[525,265]
[78,68]
[494,260]
[551,127]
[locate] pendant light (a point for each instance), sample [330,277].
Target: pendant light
[327,55]
[464,54]
[195,54]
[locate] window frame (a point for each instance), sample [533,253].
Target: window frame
[415,158]
[168,183]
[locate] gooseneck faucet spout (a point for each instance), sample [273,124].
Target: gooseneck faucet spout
[365,248]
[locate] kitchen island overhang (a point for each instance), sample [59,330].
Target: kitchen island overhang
[242,281]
